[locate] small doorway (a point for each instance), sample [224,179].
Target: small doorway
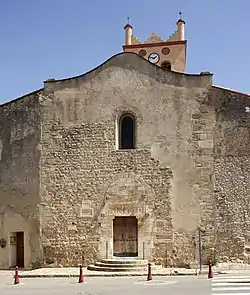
[17,249]
[125,236]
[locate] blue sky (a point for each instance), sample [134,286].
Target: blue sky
[41,39]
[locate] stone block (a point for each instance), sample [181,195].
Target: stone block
[206,144]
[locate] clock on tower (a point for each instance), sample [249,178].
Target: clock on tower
[169,54]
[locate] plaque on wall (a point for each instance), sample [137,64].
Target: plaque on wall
[86,209]
[3,243]
[13,240]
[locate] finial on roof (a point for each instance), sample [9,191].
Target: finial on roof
[128,24]
[180,20]
[128,33]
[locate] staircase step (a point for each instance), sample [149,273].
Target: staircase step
[120,265]
[125,261]
[117,269]
[123,265]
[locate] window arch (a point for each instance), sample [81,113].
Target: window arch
[166,65]
[127,131]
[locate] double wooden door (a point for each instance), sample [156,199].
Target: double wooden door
[125,237]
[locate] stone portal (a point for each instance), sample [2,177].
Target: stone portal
[127,219]
[125,236]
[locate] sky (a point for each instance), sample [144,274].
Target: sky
[41,39]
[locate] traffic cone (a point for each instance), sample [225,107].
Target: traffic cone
[16,281]
[81,275]
[149,278]
[210,272]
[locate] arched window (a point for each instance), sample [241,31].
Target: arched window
[166,65]
[127,132]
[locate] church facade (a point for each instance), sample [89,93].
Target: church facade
[131,159]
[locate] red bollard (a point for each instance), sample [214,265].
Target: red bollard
[149,278]
[81,275]
[16,281]
[210,272]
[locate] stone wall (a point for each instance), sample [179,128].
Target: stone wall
[19,176]
[231,174]
[79,177]
[80,158]
[63,179]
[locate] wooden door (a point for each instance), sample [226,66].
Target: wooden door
[125,233]
[20,249]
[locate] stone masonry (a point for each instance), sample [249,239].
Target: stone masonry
[20,137]
[231,175]
[63,179]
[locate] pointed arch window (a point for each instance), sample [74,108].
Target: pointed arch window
[127,131]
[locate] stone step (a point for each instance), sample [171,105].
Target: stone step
[121,265]
[119,269]
[125,261]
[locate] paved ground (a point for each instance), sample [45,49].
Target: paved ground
[236,284]
[74,271]
[108,286]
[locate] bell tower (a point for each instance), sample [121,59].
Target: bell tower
[170,54]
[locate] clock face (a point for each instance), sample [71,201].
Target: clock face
[154,58]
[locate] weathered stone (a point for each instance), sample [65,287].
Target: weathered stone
[63,179]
